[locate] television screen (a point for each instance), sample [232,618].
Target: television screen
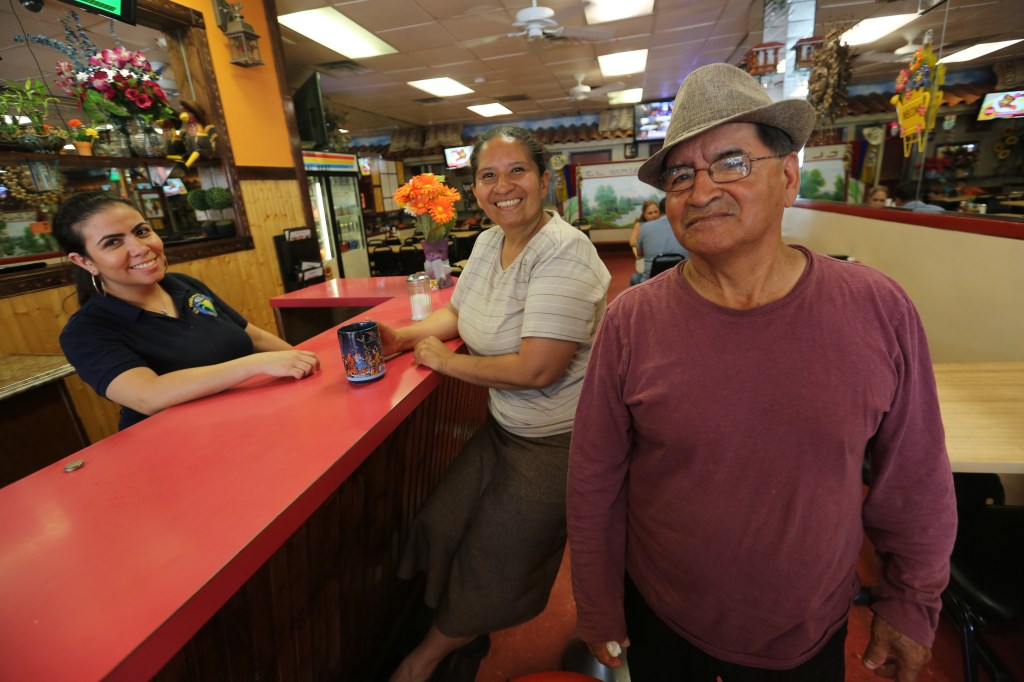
[122,10]
[1002,105]
[174,187]
[457,157]
[365,166]
[651,120]
[309,114]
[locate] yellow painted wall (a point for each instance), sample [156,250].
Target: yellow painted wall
[252,107]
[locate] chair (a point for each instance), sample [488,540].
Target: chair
[384,262]
[986,582]
[374,241]
[664,261]
[415,239]
[410,259]
[392,241]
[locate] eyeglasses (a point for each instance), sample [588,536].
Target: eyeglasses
[729,169]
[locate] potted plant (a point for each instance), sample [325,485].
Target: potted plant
[82,137]
[31,101]
[432,203]
[199,200]
[219,200]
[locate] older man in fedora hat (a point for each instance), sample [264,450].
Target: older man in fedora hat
[716,504]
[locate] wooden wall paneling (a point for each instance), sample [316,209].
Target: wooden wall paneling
[325,604]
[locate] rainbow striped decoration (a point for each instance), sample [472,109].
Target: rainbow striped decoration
[328,161]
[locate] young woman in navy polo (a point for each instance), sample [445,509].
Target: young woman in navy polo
[145,338]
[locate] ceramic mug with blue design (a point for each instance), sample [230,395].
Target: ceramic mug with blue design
[361,351]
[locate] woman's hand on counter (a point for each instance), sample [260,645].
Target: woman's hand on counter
[442,323]
[289,363]
[431,352]
[390,339]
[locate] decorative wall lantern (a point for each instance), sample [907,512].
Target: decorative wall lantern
[242,39]
[805,49]
[764,58]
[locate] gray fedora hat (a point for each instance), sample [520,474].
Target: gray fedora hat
[721,93]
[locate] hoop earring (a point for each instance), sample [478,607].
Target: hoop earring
[97,284]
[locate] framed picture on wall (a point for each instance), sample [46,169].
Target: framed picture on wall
[611,195]
[629,151]
[152,204]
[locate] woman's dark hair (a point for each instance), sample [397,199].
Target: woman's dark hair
[72,213]
[533,146]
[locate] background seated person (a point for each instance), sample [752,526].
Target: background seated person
[655,238]
[905,196]
[649,211]
[962,189]
[878,197]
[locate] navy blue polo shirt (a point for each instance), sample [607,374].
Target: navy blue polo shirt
[108,336]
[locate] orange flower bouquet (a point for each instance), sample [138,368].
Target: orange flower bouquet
[431,202]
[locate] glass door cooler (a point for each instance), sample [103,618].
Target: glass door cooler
[337,212]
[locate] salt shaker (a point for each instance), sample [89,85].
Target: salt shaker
[419,295]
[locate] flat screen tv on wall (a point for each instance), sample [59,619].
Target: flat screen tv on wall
[457,157]
[122,10]
[309,114]
[1002,105]
[651,120]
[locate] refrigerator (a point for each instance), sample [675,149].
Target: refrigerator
[337,212]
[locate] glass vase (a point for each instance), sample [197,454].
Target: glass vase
[144,140]
[112,142]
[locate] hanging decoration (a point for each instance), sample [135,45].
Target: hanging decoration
[830,76]
[918,97]
[764,58]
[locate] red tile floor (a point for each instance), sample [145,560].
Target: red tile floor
[537,646]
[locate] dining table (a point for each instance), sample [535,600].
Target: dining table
[982,406]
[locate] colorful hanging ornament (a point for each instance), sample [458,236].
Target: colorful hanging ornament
[918,95]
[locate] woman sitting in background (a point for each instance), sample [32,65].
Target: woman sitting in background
[147,339]
[649,211]
[878,197]
[491,536]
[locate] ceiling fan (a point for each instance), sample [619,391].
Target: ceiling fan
[539,23]
[582,91]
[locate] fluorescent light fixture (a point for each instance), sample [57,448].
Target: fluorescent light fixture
[600,11]
[875,28]
[630,96]
[441,87]
[335,31]
[623,63]
[488,110]
[976,51]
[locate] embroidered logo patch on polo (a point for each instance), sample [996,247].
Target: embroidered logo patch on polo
[201,305]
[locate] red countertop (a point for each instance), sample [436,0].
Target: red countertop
[364,291]
[106,572]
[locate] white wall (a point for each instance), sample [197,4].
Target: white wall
[968,288]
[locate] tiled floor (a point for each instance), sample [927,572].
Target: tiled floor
[538,645]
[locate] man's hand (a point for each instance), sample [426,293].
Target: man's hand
[603,654]
[893,655]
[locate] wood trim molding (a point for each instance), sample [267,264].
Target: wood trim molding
[267,173]
[60,274]
[957,222]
